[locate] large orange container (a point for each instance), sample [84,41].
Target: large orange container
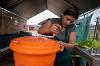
[34,51]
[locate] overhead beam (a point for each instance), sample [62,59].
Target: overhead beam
[74,6]
[12,5]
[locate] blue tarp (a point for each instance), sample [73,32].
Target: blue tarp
[83,28]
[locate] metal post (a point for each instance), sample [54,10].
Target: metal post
[97,28]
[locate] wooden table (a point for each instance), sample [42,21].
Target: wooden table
[92,60]
[4,51]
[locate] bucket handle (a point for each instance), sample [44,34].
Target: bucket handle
[16,41]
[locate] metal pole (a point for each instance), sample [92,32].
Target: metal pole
[97,28]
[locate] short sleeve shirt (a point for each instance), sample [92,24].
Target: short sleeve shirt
[65,36]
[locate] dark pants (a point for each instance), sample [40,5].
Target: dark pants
[63,58]
[67,64]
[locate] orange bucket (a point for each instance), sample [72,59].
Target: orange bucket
[34,51]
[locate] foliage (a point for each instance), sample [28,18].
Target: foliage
[89,44]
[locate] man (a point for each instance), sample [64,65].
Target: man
[64,30]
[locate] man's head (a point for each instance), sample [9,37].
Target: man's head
[69,16]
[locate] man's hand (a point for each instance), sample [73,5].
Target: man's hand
[61,46]
[55,28]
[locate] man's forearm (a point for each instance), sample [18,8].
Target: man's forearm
[44,31]
[68,45]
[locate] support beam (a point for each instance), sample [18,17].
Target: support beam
[12,5]
[74,6]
